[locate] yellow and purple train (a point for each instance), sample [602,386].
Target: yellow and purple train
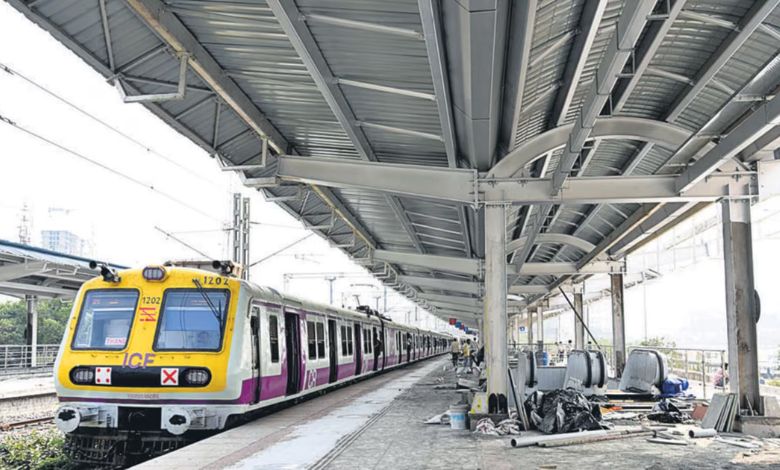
[165,351]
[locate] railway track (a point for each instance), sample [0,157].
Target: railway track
[26,422]
[23,411]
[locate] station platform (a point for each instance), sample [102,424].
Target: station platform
[379,423]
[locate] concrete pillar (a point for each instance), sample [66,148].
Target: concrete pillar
[618,324]
[32,329]
[741,308]
[529,320]
[540,328]
[495,318]
[579,325]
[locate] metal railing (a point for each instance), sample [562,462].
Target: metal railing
[14,357]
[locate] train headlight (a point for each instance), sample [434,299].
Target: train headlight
[82,375]
[154,273]
[197,377]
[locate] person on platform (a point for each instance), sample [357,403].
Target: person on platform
[455,352]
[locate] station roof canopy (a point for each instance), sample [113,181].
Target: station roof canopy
[386,126]
[29,270]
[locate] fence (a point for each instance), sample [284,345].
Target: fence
[15,357]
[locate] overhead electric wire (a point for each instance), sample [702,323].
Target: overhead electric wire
[280,250]
[105,124]
[106,167]
[172,237]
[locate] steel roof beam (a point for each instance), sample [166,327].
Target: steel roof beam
[590,20]
[353,24]
[476,43]
[467,287]
[457,307]
[751,22]
[517,65]
[34,289]
[751,128]
[165,23]
[528,290]
[629,26]
[290,19]
[550,237]
[644,53]
[474,267]
[466,301]
[459,185]
[662,217]
[9,272]
[618,127]
[430,16]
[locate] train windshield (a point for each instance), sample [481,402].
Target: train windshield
[105,319]
[192,320]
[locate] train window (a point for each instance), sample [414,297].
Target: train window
[350,341]
[191,320]
[105,319]
[344,349]
[321,340]
[312,338]
[273,333]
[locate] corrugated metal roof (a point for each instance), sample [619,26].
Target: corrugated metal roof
[376,52]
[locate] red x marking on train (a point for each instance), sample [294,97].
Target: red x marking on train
[169,376]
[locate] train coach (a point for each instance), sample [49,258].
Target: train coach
[154,354]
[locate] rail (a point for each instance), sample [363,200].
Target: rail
[16,357]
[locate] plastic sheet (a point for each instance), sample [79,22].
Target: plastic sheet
[561,411]
[666,412]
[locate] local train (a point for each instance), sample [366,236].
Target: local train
[161,352]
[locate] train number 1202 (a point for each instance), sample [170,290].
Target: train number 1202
[214,281]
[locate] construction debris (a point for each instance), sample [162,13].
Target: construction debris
[561,411]
[663,440]
[503,428]
[721,413]
[737,442]
[667,412]
[574,438]
[698,433]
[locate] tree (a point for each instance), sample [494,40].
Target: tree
[52,318]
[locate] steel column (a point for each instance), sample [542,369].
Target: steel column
[529,319]
[32,328]
[618,324]
[579,326]
[495,318]
[741,312]
[540,328]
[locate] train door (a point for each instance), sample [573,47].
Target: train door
[292,337]
[408,347]
[376,348]
[358,350]
[333,345]
[254,328]
[398,349]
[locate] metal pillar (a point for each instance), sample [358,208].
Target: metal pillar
[495,319]
[236,228]
[32,329]
[540,328]
[240,230]
[579,326]
[245,238]
[741,306]
[529,319]
[618,324]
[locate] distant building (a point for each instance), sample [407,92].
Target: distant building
[65,241]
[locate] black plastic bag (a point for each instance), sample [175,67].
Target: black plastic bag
[561,411]
[666,412]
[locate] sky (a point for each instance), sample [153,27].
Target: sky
[120,216]
[192,198]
